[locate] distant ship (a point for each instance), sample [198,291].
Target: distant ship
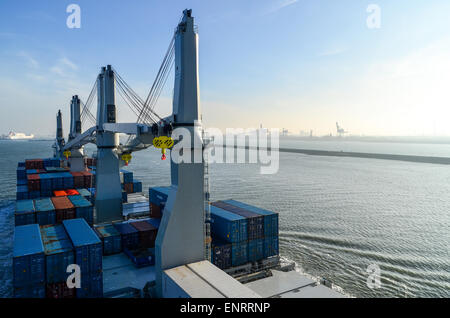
[18,136]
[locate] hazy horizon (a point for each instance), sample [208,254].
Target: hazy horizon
[291,64]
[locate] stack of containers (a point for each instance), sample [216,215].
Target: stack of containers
[58,255]
[221,253]
[147,233]
[45,211]
[88,255]
[157,199]
[25,212]
[21,173]
[67,180]
[22,192]
[65,210]
[128,187]
[34,183]
[28,262]
[46,184]
[78,179]
[57,181]
[231,228]
[137,186]
[34,164]
[111,239]
[83,208]
[87,179]
[129,235]
[271,244]
[255,229]
[126,176]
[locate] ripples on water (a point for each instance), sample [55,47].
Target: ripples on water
[337,215]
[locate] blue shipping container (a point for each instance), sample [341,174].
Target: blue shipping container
[85,193]
[45,211]
[22,192]
[28,256]
[239,253]
[255,250]
[46,182]
[130,236]
[30,291]
[221,253]
[91,286]
[137,186]
[270,218]
[158,195]
[111,239]
[127,176]
[87,245]
[83,208]
[270,246]
[58,253]
[228,226]
[25,213]
[21,173]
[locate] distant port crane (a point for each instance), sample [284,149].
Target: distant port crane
[340,131]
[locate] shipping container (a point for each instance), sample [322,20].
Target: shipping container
[147,233]
[83,208]
[271,247]
[154,221]
[57,181]
[34,164]
[21,173]
[158,195]
[87,245]
[28,256]
[33,182]
[22,192]
[91,286]
[111,239]
[270,218]
[25,212]
[65,210]
[58,252]
[85,193]
[127,176]
[141,257]
[68,180]
[46,182]
[72,192]
[34,194]
[130,236]
[255,250]
[156,210]
[137,186]
[87,179]
[128,187]
[59,193]
[45,211]
[255,222]
[22,182]
[239,253]
[124,197]
[78,179]
[30,291]
[21,164]
[221,253]
[228,226]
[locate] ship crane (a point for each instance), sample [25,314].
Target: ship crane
[183,218]
[340,131]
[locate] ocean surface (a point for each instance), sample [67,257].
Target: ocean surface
[338,216]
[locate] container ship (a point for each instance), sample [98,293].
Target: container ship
[86,228]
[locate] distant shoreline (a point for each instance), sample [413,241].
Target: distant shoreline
[365,155]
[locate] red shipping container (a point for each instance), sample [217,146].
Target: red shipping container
[65,210]
[59,290]
[78,179]
[87,179]
[34,164]
[128,187]
[147,233]
[155,211]
[72,192]
[59,193]
[34,183]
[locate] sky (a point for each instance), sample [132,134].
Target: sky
[295,64]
